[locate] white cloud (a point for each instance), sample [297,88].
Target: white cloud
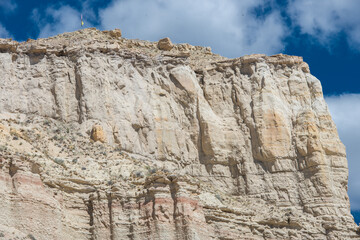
[89,13]
[7,5]
[326,19]
[345,110]
[3,32]
[229,27]
[56,21]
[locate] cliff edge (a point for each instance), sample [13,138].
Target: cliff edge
[103,137]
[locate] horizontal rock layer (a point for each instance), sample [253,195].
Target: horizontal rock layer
[107,138]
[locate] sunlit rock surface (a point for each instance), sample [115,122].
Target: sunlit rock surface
[103,137]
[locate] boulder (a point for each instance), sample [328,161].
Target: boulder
[97,134]
[165,44]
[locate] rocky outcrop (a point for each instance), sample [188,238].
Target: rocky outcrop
[97,134]
[165,44]
[194,145]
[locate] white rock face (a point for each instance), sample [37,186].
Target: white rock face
[197,146]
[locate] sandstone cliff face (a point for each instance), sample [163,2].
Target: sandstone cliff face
[107,138]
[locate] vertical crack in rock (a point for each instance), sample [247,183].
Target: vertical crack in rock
[12,168]
[115,134]
[178,225]
[56,100]
[90,211]
[131,232]
[12,171]
[262,83]
[111,221]
[201,153]
[79,94]
[181,224]
[204,158]
[69,78]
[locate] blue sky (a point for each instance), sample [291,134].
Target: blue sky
[325,32]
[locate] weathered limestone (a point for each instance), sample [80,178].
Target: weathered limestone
[103,137]
[165,44]
[97,134]
[116,33]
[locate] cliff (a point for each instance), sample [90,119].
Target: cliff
[103,137]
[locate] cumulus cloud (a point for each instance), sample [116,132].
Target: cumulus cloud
[345,110]
[90,13]
[231,28]
[7,5]
[324,20]
[56,20]
[3,32]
